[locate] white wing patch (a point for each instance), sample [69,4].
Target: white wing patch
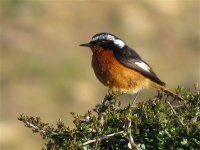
[143,66]
[118,42]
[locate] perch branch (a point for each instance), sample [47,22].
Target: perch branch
[103,106]
[102,138]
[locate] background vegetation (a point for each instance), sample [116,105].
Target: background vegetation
[45,73]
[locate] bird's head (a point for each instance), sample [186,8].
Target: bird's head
[105,41]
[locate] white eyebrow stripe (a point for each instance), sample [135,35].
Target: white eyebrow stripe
[118,42]
[143,66]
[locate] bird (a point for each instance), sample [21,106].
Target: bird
[120,67]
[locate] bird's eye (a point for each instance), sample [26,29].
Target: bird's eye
[98,42]
[103,41]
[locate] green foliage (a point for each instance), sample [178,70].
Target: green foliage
[159,123]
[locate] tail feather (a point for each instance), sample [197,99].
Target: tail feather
[167,91]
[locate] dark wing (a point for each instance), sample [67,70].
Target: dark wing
[129,58]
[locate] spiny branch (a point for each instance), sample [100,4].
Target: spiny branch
[103,106]
[37,126]
[176,114]
[124,127]
[102,138]
[180,120]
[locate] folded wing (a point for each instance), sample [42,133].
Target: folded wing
[129,58]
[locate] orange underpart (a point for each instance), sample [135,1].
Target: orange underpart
[114,74]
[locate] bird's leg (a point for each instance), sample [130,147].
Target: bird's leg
[160,94]
[135,96]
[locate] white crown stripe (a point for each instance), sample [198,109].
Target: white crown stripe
[118,42]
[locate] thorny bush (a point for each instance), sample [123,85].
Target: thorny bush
[161,123]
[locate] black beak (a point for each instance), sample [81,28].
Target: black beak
[86,45]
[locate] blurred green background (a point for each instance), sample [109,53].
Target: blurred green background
[45,73]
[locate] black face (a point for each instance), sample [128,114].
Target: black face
[106,44]
[106,41]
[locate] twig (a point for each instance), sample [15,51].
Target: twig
[178,106]
[35,127]
[130,138]
[166,98]
[101,138]
[196,88]
[130,104]
[132,143]
[174,99]
[102,107]
[168,134]
[176,114]
[43,132]
[96,144]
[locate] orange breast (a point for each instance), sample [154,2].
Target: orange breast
[115,75]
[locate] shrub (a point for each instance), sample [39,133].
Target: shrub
[162,122]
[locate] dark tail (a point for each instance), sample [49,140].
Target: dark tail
[167,91]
